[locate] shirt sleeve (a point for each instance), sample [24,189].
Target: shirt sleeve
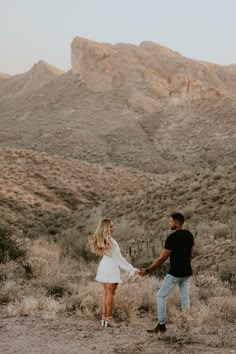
[120,260]
[169,244]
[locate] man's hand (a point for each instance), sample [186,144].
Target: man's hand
[142,272]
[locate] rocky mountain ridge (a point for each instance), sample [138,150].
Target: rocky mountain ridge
[143,106]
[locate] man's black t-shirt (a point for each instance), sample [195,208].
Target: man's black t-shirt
[180,243]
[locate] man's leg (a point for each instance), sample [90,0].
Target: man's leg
[184,293]
[168,284]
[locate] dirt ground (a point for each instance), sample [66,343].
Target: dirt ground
[73,335]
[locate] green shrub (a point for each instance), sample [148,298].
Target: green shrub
[9,247]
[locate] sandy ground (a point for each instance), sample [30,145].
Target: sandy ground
[73,335]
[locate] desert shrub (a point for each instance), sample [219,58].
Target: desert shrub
[55,286]
[195,186]
[183,332]
[223,307]
[8,291]
[188,212]
[9,247]
[229,277]
[131,298]
[167,203]
[67,196]
[30,305]
[11,271]
[210,286]
[185,175]
[126,230]
[220,230]
[34,266]
[85,297]
[217,175]
[76,246]
[214,194]
[202,231]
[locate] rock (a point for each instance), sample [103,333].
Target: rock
[102,67]
[148,72]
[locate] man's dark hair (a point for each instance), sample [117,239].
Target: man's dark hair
[178,216]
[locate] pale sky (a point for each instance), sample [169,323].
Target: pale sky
[33,30]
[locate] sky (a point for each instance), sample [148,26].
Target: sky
[33,30]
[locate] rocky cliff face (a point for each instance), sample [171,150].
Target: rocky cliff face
[147,72]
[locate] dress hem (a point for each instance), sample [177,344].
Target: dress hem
[108,282]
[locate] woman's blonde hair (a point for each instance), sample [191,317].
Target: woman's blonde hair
[101,241]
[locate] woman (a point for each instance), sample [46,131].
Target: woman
[108,272]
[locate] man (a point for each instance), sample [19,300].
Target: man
[179,246]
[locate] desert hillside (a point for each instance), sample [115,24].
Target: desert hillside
[142,106]
[43,195]
[133,133]
[48,293]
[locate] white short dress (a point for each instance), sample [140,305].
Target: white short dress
[109,267]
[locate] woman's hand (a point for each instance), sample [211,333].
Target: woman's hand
[142,272]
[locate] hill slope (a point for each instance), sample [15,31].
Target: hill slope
[43,195]
[65,118]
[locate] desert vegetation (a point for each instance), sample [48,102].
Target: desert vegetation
[49,207]
[47,282]
[157,136]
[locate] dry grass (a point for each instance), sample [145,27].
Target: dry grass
[65,285]
[30,305]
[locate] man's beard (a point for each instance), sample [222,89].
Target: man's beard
[173,227]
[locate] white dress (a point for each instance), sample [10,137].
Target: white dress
[109,267]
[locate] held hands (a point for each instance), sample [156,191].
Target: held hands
[138,272]
[142,272]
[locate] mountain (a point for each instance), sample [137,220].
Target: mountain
[143,106]
[4,76]
[23,84]
[148,71]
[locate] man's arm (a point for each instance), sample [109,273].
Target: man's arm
[161,259]
[192,252]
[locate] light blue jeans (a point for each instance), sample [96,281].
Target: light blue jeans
[168,284]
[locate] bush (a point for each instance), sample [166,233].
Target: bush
[220,230]
[75,245]
[9,247]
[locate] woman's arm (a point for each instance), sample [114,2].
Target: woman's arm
[122,262]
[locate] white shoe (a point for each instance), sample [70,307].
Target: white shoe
[109,323]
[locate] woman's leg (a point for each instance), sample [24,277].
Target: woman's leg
[104,296]
[111,289]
